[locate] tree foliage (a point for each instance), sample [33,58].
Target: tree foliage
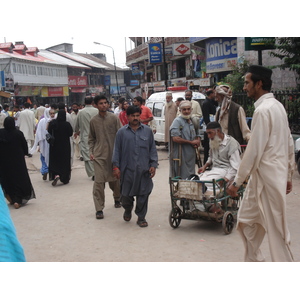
[235,78]
[288,50]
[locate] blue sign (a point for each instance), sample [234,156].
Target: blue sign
[2,79]
[155,53]
[107,80]
[221,54]
[221,48]
[134,82]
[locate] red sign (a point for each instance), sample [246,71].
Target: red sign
[182,49]
[77,81]
[55,91]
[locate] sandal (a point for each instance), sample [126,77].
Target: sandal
[142,223]
[99,215]
[127,216]
[55,180]
[117,204]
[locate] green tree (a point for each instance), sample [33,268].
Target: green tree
[235,78]
[288,50]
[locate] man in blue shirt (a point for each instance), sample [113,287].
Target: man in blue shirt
[134,162]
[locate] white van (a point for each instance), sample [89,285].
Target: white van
[156,102]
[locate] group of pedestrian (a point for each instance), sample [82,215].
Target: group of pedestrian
[266,165]
[125,157]
[118,148]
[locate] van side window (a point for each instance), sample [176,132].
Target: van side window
[157,109]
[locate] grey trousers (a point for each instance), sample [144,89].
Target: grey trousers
[141,206]
[89,168]
[99,195]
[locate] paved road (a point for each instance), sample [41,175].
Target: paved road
[60,226]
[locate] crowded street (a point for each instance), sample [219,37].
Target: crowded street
[60,225]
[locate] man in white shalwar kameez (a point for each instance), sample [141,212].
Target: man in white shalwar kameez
[269,160]
[27,125]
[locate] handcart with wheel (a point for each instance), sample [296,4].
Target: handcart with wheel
[191,201]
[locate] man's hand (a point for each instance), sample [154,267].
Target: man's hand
[92,157]
[116,172]
[152,171]
[289,187]
[195,143]
[232,191]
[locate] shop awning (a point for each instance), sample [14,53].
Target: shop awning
[5,94]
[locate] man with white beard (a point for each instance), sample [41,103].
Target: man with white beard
[224,156]
[183,143]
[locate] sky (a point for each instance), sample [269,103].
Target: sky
[47,24]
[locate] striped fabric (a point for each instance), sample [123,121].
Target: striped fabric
[10,248]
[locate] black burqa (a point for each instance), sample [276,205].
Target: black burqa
[14,177]
[60,151]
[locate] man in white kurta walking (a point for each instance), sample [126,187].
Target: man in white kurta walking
[269,160]
[27,125]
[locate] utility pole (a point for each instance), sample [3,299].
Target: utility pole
[165,64]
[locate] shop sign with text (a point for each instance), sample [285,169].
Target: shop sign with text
[221,54]
[155,53]
[77,81]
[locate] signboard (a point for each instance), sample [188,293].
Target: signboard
[181,49]
[259,43]
[107,80]
[77,81]
[134,82]
[155,53]
[54,91]
[221,54]
[114,90]
[2,79]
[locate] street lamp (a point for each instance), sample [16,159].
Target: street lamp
[114,63]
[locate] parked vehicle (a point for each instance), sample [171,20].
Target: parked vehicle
[297,151]
[156,102]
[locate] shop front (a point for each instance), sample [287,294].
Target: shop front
[78,89]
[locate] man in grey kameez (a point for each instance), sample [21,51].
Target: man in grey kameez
[183,143]
[103,130]
[82,128]
[134,162]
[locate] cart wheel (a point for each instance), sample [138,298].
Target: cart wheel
[174,217]
[227,222]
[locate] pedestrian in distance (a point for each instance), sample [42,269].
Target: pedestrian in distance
[146,113]
[60,151]
[103,130]
[231,115]
[196,108]
[14,177]
[170,114]
[122,115]
[27,125]
[269,160]
[209,108]
[82,129]
[40,142]
[134,162]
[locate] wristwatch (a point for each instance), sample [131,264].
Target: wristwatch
[234,184]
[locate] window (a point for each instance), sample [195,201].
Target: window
[157,109]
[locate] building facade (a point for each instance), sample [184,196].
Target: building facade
[194,62]
[55,75]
